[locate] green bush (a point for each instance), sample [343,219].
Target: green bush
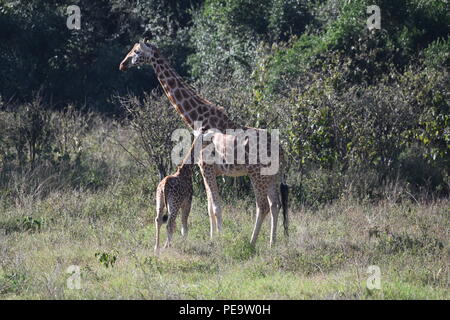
[437,55]
[239,249]
[358,109]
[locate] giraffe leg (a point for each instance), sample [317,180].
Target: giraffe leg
[171,223]
[262,206]
[212,220]
[274,205]
[214,208]
[185,210]
[217,208]
[159,218]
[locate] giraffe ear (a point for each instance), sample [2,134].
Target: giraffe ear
[143,44]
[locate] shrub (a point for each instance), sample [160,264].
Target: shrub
[153,121]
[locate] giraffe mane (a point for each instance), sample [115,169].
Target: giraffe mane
[193,90]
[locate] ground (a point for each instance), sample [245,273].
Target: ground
[109,235]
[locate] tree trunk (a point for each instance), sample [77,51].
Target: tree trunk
[161,171]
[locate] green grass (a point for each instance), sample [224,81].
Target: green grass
[109,234]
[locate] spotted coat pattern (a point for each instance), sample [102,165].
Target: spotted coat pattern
[174,193]
[194,108]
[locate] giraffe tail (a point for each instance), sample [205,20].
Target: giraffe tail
[165,216]
[284,191]
[161,205]
[161,200]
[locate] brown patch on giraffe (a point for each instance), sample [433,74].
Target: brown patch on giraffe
[213,121]
[167,74]
[156,54]
[177,94]
[193,104]
[171,83]
[193,114]
[177,83]
[206,115]
[204,109]
[187,105]
[184,93]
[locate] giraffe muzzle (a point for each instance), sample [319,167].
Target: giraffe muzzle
[124,65]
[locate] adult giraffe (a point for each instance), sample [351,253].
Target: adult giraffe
[194,109]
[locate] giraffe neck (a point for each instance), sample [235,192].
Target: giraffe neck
[185,169]
[191,158]
[187,101]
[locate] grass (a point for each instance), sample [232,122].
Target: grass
[326,257]
[108,232]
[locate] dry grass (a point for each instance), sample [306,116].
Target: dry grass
[326,256]
[108,232]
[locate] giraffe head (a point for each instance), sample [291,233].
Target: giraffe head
[141,53]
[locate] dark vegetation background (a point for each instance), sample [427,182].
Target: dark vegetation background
[362,113]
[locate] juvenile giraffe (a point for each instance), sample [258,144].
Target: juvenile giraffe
[194,108]
[174,193]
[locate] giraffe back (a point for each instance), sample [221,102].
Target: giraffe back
[175,189]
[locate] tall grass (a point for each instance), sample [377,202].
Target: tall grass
[108,232]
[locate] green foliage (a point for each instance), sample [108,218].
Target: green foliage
[163,266]
[153,122]
[12,282]
[107,259]
[240,249]
[358,109]
[226,34]
[393,243]
[27,136]
[30,223]
[42,151]
[371,128]
[437,55]
[81,66]
[407,28]
[309,264]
